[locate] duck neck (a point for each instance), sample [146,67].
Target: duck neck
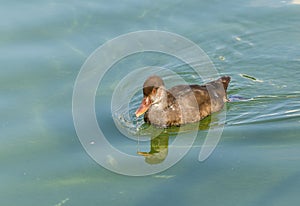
[161,102]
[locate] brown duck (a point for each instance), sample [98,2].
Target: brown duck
[181,104]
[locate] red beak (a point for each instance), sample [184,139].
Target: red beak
[146,103]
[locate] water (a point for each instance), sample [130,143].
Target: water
[43,46]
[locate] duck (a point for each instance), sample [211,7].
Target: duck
[181,104]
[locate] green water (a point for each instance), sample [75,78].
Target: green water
[43,46]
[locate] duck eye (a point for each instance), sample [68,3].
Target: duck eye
[154,91]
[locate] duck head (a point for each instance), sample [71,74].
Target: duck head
[154,92]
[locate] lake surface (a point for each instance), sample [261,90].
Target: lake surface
[43,46]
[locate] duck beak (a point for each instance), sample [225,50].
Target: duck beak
[145,154]
[146,103]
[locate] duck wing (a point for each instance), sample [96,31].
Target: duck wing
[210,97]
[220,86]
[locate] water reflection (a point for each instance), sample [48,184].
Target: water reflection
[158,149]
[159,143]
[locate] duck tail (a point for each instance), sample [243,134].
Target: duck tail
[225,80]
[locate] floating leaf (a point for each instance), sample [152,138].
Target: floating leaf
[238,38]
[250,77]
[222,58]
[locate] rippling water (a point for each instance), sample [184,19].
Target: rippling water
[43,46]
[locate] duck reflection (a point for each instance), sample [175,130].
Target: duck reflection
[160,139]
[158,149]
